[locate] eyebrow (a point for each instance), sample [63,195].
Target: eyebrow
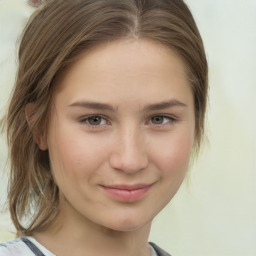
[151,107]
[92,105]
[164,105]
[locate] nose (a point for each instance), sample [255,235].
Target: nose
[129,152]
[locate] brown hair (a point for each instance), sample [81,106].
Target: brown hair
[55,35]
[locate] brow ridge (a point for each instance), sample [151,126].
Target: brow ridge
[164,105]
[150,107]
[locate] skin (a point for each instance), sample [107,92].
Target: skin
[143,134]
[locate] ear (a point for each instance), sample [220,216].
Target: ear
[38,135]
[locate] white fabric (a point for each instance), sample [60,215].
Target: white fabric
[39,246]
[15,248]
[18,248]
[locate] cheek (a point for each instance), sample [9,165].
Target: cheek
[173,155]
[171,159]
[72,155]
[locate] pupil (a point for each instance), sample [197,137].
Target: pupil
[95,120]
[157,119]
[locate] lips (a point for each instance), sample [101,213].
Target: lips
[127,193]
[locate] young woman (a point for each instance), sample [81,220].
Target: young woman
[109,104]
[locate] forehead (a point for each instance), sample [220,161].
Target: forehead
[126,68]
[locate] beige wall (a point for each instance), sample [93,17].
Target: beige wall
[215,215]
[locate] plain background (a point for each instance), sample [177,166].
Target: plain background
[214,215]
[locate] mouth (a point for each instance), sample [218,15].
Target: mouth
[127,193]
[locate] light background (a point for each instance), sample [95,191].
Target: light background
[215,215]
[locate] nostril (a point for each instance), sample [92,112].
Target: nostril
[128,163]
[35,3]
[129,153]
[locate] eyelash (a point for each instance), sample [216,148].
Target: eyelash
[168,120]
[85,120]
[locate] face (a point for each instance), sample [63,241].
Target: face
[121,132]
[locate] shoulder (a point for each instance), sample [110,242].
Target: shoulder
[14,248]
[159,251]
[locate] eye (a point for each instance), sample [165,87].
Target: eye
[161,120]
[94,120]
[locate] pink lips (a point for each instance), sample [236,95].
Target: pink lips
[127,192]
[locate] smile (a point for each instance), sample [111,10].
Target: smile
[127,193]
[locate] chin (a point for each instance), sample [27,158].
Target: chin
[125,228]
[128,224]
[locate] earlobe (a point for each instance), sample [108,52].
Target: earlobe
[39,136]
[41,141]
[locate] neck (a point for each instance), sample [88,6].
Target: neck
[79,236]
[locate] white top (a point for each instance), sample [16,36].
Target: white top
[19,247]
